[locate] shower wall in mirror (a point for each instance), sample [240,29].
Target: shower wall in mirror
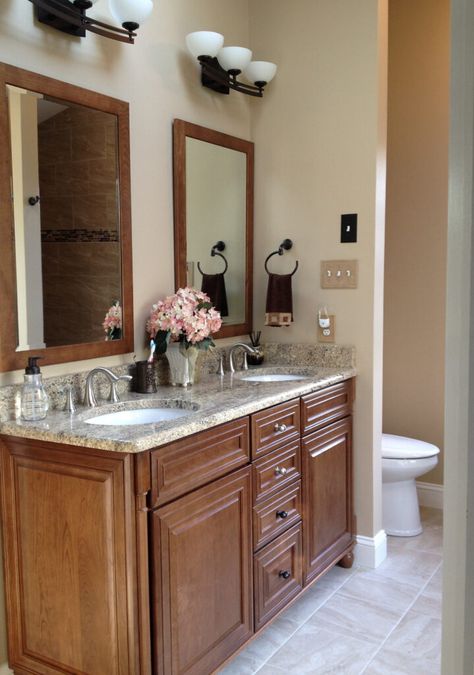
[213,175]
[67,229]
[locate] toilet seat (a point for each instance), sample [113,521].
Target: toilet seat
[402,447]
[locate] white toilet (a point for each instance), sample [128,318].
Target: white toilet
[403,460]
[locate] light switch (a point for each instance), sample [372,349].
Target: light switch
[339,273]
[348,228]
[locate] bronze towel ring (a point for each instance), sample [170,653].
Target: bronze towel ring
[285,245]
[219,246]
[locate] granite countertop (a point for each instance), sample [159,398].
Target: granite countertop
[212,401]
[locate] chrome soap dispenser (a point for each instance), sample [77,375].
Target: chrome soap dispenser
[34,399]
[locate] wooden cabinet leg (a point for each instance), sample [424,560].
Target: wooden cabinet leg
[347,561]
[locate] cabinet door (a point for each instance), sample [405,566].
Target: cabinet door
[202,576]
[69,559]
[327,496]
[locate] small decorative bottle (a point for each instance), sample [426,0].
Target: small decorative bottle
[34,399]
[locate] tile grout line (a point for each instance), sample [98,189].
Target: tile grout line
[336,590]
[402,617]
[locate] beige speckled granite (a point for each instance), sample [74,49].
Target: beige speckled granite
[212,401]
[310,355]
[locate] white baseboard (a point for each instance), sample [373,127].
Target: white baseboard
[429,494]
[5,670]
[371,551]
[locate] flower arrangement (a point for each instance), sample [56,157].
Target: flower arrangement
[112,323]
[187,317]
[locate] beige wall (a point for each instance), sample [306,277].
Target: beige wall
[458,548]
[319,145]
[416,228]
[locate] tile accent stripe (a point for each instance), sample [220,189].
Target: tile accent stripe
[79,235]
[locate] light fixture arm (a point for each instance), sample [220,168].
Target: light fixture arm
[71,18]
[215,77]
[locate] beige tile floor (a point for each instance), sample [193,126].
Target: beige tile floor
[377,622]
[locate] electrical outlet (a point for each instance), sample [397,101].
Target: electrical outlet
[339,273]
[328,334]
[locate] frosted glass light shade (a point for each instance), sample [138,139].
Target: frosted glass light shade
[234,58]
[260,71]
[204,43]
[131,11]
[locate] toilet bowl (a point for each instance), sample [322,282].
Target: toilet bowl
[403,460]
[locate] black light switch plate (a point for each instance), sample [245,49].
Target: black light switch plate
[348,228]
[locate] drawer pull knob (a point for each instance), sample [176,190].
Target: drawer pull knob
[282,514]
[281,471]
[280,427]
[285,574]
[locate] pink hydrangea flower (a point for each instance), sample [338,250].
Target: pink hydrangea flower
[112,323]
[186,316]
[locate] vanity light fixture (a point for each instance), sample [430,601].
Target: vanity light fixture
[221,65]
[70,17]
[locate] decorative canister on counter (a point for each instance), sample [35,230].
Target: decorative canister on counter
[257,358]
[145,379]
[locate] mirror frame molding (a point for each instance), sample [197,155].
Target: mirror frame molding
[181,131]
[10,359]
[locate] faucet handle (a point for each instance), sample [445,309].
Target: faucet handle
[245,365]
[70,405]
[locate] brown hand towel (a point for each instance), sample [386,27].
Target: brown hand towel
[279,307]
[214,286]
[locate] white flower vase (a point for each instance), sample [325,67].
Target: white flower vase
[182,363]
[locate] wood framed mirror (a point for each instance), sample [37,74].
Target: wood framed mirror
[213,220]
[65,224]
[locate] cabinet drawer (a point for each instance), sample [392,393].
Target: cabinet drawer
[326,405]
[276,470]
[278,575]
[185,465]
[276,514]
[275,426]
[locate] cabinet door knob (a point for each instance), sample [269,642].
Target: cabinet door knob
[280,427]
[281,471]
[285,574]
[282,514]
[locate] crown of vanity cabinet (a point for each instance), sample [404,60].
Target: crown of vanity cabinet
[168,561]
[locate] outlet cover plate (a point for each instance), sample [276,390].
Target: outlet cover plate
[332,330]
[339,273]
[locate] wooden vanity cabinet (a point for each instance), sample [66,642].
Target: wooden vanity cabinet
[165,562]
[69,557]
[328,520]
[202,576]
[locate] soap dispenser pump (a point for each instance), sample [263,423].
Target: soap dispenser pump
[34,399]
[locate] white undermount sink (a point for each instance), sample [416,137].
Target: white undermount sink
[273,377]
[139,416]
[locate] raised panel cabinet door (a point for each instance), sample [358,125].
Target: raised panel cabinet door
[69,559]
[202,576]
[327,496]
